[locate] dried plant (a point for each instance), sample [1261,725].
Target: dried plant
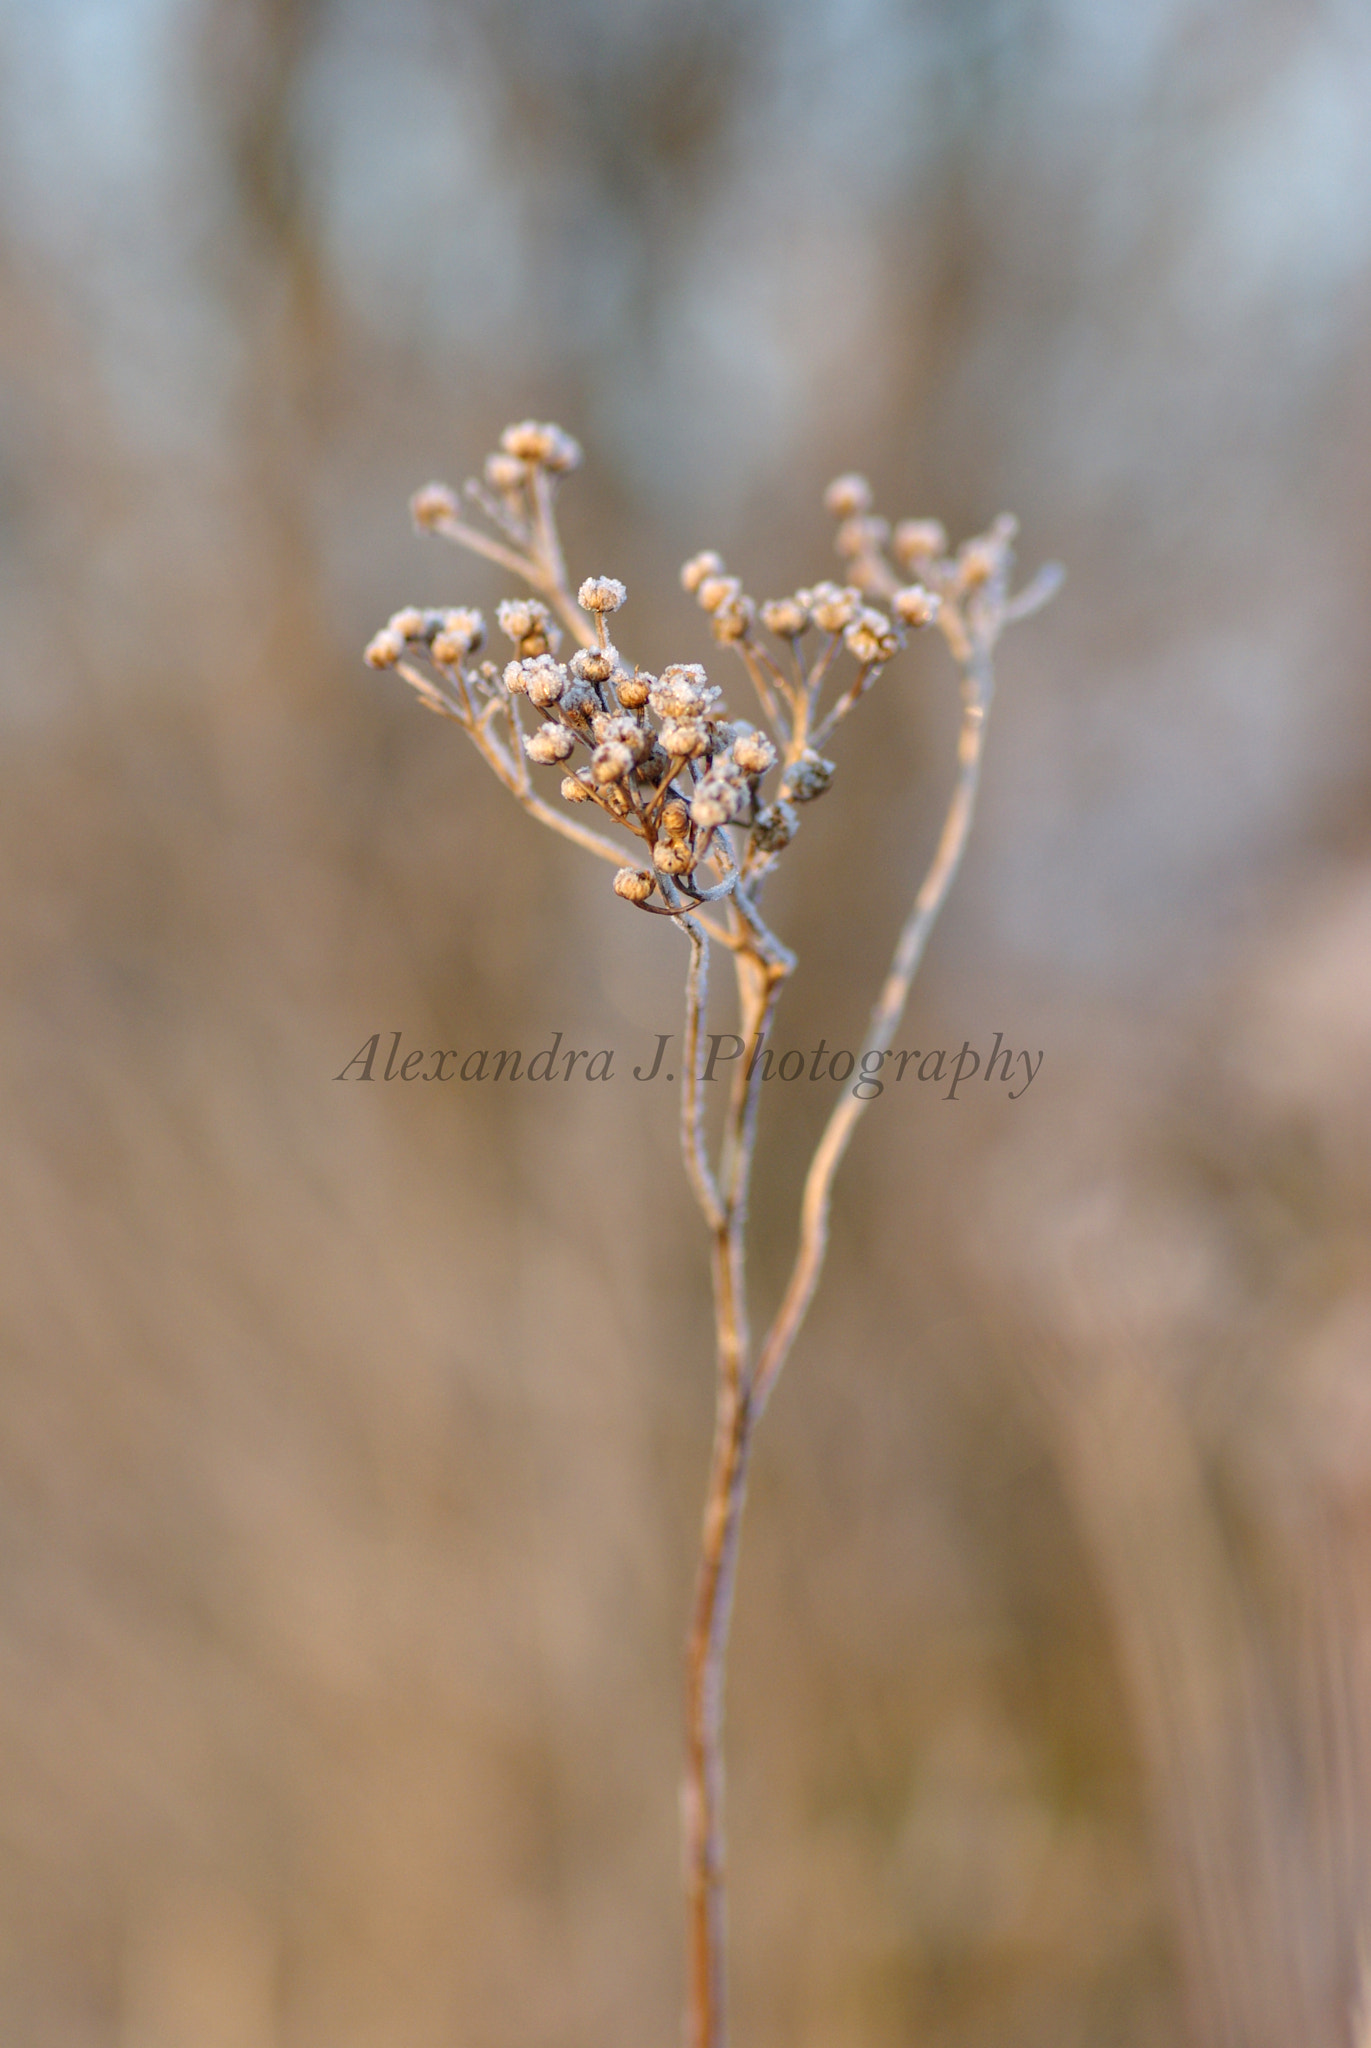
[711,804]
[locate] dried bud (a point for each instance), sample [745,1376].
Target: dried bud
[871,638]
[551,743]
[673,857]
[716,590]
[460,634]
[621,730]
[732,621]
[432,505]
[684,739]
[574,790]
[977,561]
[716,802]
[847,496]
[776,825]
[807,778]
[635,884]
[682,691]
[611,762]
[545,681]
[832,608]
[633,691]
[409,623]
[521,618]
[594,664]
[786,617]
[601,594]
[675,818]
[698,567]
[754,753]
[916,606]
[919,540]
[541,444]
[504,473]
[384,649]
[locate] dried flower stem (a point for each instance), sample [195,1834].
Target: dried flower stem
[681,788]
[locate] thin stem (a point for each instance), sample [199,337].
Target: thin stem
[978,686]
[693,1148]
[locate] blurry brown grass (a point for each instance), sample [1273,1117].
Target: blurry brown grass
[341,1586]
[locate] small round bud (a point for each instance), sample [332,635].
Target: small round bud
[432,505]
[684,739]
[541,444]
[776,825]
[545,681]
[574,790]
[550,744]
[675,818]
[593,664]
[716,802]
[832,608]
[409,623]
[460,634]
[635,884]
[682,691]
[920,540]
[732,621]
[384,649]
[754,753]
[504,473]
[977,561]
[622,731]
[871,638]
[611,763]
[716,590]
[847,496]
[698,567]
[916,606]
[807,778]
[786,617]
[633,691]
[601,594]
[521,617]
[672,857]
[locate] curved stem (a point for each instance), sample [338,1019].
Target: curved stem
[978,687]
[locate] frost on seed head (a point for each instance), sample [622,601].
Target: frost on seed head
[459,633]
[635,884]
[551,743]
[832,607]
[916,606]
[601,594]
[786,617]
[384,649]
[694,572]
[433,504]
[919,541]
[542,445]
[871,637]
[847,496]
[807,778]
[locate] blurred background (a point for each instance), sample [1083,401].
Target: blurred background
[352,1443]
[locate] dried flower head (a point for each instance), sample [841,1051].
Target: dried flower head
[601,594]
[831,606]
[919,540]
[847,496]
[753,752]
[915,606]
[871,637]
[594,664]
[550,744]
[807,778]
[432,505]
[384,649]
[694,572]
[635,884]
[775,826]
[786,617]
[633,691]
[505,474]
[542,445]
[459,634]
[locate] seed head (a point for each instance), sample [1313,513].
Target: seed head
[786,617]
[409,623]
[977,561]
[675,818]
[541,445]
[807,778]
[775,826]
[611,763]
[594,664]
[574,790]
[732,621]
[832,608]
[871,637]
[717,802]
[919,541]
[754,753]
[431,506]
[461,633]
[550,744]
[698,567]
[633,691]
[384,649]
[916,606]
[682,692]
[713,591]
[672,857]
[635,884]
[522,617]
[504,473]
[621,730]
[847,496]
[861,536]
[601,594]
[685,739]
[545,681]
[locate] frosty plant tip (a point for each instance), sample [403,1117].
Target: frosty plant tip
[703,806]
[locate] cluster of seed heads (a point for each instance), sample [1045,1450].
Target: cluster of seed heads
[712,800]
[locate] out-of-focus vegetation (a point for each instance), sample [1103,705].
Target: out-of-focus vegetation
[352,1441]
